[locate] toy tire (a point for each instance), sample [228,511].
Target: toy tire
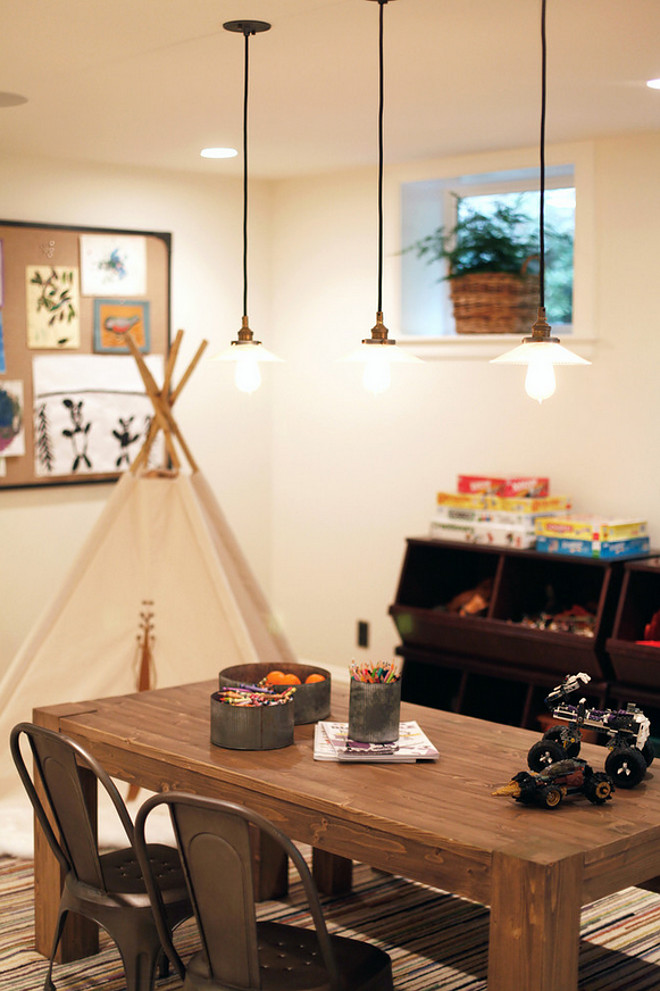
[648,753]
[551,796]
[626,766]
[544,753]
[598,788]
[559,734]
[528,788]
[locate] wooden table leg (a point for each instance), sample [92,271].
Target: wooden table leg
[81,936]
[534,924]
[333,874]
[270,866]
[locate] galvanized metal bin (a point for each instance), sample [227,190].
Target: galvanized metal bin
[310,702]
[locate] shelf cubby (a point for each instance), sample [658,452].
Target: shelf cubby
[493,664]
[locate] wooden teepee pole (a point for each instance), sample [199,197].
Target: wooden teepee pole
[162,401]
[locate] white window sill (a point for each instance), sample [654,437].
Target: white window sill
[482,346]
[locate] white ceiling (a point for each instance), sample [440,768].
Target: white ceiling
[150,82]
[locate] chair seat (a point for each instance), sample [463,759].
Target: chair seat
[125,887]
[290,960]
[122,874]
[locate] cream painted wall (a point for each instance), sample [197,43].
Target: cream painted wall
[321,482]
[228,432]
[354,475]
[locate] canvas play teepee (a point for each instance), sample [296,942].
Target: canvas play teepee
[160,594]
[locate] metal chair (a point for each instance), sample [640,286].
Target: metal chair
[238,951]
[106,887]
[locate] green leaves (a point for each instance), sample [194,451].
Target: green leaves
[55,295]
[479,242]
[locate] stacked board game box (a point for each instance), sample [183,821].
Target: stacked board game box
[501,512]
[591,536]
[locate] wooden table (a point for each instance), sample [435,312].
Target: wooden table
[433,822]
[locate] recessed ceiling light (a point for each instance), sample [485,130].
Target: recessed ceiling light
[11,99]
[218,153]
[653,83]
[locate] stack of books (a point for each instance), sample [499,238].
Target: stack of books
[331,743]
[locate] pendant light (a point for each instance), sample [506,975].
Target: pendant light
[378,351]
[245,351]
[541,352]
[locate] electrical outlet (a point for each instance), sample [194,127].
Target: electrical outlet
[362,633]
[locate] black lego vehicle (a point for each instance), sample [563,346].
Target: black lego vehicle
[627,732]
[570,776]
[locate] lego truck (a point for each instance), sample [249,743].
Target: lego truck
[626,732]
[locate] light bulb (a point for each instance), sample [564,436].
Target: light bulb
[540,380]
[376,377]
[247,375]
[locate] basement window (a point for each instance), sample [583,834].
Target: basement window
[426,308]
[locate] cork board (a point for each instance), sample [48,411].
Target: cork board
[72,405]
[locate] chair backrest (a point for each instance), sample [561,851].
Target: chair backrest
[61,767]
[213,837]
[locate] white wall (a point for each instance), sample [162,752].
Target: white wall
[321,482]
[353,475]
[228,433]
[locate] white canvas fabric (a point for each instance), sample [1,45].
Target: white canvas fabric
[162,539]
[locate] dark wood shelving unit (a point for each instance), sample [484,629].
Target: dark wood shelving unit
[636,665]
[491,665]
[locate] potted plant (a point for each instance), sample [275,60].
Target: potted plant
[488,258]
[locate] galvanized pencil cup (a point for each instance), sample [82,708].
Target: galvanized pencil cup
[374,711]
[251,727]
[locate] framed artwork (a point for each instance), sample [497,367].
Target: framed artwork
[3,368]
[52,307]
[114,318]
[72,404]
[91,414]
[3,363]
[113,265]
[12,419]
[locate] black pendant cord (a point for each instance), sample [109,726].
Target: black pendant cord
[542,163]
[381,104]
[245,173]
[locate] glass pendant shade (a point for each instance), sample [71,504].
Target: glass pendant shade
[247,357]
[378,359]
[540,353]
[378,353]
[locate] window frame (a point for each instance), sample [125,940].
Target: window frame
[456,173]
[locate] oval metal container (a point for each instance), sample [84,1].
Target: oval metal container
[251,727]
[310,702]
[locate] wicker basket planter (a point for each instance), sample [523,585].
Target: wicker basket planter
[494,302]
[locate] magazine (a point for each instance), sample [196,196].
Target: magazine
[331,743]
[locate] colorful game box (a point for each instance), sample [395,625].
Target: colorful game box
[526,486]
[591,528]
[606,549]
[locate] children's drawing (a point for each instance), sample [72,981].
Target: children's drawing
[127,438]
[3,363]
[114,319]
[53,307]
[91,414]
[113,265]
[12,433]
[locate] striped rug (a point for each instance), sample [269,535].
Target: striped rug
[437,942]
